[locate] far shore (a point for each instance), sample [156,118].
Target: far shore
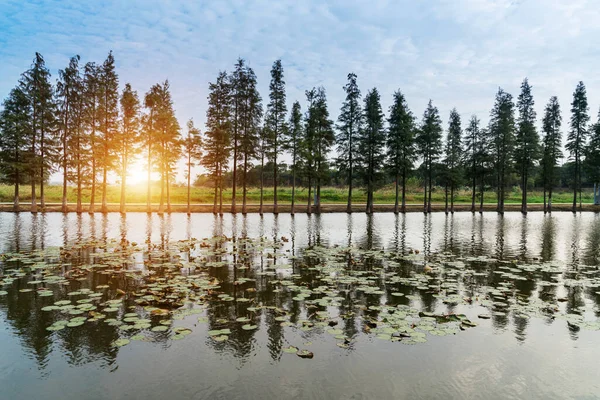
[299,208]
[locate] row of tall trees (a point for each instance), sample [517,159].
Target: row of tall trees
[84,128]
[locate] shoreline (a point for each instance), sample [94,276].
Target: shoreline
[299,209]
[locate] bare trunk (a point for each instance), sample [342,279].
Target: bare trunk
[293,188]
[234,182]
[123,181]
[397,193]
[452,197]
[262,183]
[308,207]
[403,208]
[16,198]
[244,183]
[275,210]
[189,184]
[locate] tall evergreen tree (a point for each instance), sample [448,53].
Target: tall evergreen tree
[348,130]
[317,142]
[372,144]
[527,140]
[237,83]
[502,132]
[552,142]
[275,121]
[429,146]
[150,135]
[92,118]
[293,143]
[68,92]
[576,140]
[592,159]
[217,143]
[35,83]
[128,137]
[262,150]
[15,130]
[167,144]
[400,144]
[192,145]
[474,156]
[453,156]
[109,121]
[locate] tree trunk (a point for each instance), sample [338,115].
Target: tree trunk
[123,181]
[403,208]
[545,210]
[64,188]
[293,187]
[92,207]
[262,182]
[161,205]
[425,192]
[452,197]
[575,186]
[216,190]
[446,198]
[244,182]
[474,189]
[234,177]
[168,182]
[308,207]
[16,198]
[524,196]
[550,200]
[104,180]
[78,174]
[275,210]
[189,183]
[397,193]
[481,195]
[430,189]
[148,184]
[220,189]
[42,200]
[349,203]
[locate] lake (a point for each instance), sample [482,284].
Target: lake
[334,306]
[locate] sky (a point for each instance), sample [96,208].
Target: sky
[454,52]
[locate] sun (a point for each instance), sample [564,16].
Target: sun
[137,173]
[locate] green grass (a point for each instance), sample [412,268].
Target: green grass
[331,195]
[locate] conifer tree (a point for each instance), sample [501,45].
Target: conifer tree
[275,121]
[502,131]
[400,144]
[68,93]
[453,156]
[150,136]
[527,139]
[592,159]
[15,130]
[109,114]
[128,136]
[552,142]
[217,144]
[35,83]
[348,129]
[473,155]
[429,146]
[192,145]
[293,143]
[92,96]
[576,140]
[372,144]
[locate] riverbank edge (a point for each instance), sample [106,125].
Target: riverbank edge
[300,209]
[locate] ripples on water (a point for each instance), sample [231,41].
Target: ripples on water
[507,356]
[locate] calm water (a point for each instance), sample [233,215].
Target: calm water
[535,278]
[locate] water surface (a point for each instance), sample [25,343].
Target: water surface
[535,276]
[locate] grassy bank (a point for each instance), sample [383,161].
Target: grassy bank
[329,195]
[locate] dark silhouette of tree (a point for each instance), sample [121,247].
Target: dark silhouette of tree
[109,121]
[371,141]
[92,95]
[453,156]
[472,155]
[275,121]
[15,130]
[526,140]
[349,127]
[149,121]
[429,146]
[68,93]
[128,136]
[502,132]
[592,157]
[576,140]
[217,142]
[263,148]
[400,144]
[318,139]
[293,143]
[35,83]
[552,142]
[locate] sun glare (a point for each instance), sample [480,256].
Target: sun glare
[137,173]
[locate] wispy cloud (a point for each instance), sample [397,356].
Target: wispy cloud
[456,52]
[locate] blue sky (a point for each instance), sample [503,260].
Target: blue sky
[456,52]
